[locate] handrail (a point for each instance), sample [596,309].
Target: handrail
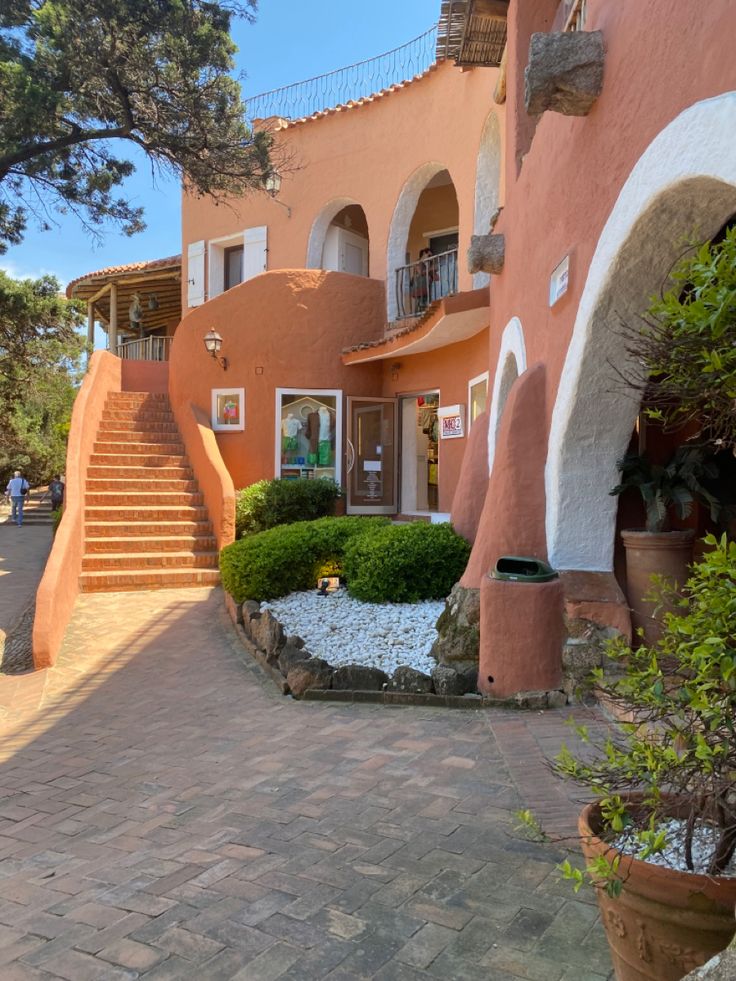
[151,348]
[419,283]
[347,84]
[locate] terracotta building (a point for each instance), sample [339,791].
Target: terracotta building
[422,304]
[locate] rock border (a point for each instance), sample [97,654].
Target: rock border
[296,672]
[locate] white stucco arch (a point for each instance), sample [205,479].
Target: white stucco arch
[401,222]
[320,225]
[487,184]
[682,188]
[511,363]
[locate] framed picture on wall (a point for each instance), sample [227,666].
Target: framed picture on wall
[228,410]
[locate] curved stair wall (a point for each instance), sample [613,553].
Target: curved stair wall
[59,586]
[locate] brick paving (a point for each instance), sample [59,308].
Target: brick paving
[166,815]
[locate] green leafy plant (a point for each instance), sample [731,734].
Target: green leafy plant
[683,355]
[405,563]
[676,484]
[680,742]
[269,503]
[282,560]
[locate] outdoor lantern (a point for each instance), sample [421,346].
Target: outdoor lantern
[152,301]
[272,185]
[213,343]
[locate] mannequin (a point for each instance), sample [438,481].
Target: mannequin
[324,452]
[290,427]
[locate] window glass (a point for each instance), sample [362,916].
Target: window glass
[233,266]
[478,397]
[307,433]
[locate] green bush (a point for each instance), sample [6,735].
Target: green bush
[282,560]
[269,503]
[405,563]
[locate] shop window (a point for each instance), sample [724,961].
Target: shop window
[477,396]
[308,436]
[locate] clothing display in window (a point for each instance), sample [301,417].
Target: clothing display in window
[290,427]
[308,435]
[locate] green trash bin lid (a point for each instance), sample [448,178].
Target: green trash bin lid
[523,568]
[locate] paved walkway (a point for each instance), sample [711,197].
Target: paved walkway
[165,814]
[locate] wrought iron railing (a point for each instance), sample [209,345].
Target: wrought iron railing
[419,283]
[152,348]
[347,84]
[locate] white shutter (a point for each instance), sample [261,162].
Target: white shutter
[255,252]
[195,274]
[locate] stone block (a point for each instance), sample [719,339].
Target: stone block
[359,677]
[410,680]
[312,673]
[267,634]
[565,72]
[458,629]
[447,681]
[486,254]
[291,656]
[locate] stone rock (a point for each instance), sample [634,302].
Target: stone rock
[469,677]
[486,254]
[722,967]
[267,634]
[447,681]
[310,673]
[579,656]
[358,677]
[409,679]
[291,656]
[565,72]
[556,699]
[295,641]
[249,611]
[532,699]
[458,629]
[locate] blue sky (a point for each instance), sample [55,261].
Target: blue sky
[291,40]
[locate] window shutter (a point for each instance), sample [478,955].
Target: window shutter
[195,274]
[255,252]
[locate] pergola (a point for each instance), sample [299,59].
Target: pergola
[109,293]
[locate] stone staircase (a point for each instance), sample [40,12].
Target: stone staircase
[146,526]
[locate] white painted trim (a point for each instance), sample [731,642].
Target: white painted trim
[227,240]
[320,225]
[487,184]
[512,356]
[691,159]
[483,376]
[441,231]
[221,427]
[337,394]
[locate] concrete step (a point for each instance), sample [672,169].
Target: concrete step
[112,473]
[128,581]
[141,561]
[131,448]
[138,397]
[139,436]
[157,543]
[138,460]
[137,415]
[145,513]
[142,499]
[153,482]
[147,528]
[134,429]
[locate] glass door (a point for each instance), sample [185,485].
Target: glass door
[372,456]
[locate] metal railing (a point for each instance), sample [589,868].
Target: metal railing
[150,348]
[419,283]
[347,84]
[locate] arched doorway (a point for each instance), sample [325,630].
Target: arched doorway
[487,185]
[683,188]
[339,239]
[422,246]
[511,363]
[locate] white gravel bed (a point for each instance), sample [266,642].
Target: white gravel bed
[673,855]
[343,630]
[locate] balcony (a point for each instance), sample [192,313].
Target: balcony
[151,348]
[421,283]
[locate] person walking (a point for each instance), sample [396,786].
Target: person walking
[56,490]
[16,490]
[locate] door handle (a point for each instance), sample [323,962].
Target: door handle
[351,456]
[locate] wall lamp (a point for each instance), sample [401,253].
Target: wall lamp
[213,343]
[273,186]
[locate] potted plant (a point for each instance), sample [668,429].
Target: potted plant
[656,549]
[660,837]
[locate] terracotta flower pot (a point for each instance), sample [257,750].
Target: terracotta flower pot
[665,923]
[668,553]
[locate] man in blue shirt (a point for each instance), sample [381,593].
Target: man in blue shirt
[16,490]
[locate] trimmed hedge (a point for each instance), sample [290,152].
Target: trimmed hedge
[405,563]
[289,558]
[269,503]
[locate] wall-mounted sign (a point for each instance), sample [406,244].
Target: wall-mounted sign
[452,421]
[228,410]
[558,281]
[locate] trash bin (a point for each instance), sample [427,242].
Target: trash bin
[522,568]
[521,627]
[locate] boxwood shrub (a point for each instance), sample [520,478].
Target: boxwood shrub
[405,563]
[282,560]
[269,503]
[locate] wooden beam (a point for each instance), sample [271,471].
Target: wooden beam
[488,8]
[90,322]
[113,330]
[99,294]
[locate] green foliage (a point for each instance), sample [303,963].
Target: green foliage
[676,484]
[81,77]
[282,560]
[269,503]
[56,518]
[405,563]
[684,355]
[681,695]
[40,364]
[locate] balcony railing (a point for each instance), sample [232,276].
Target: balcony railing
[150,348]
[420,283]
